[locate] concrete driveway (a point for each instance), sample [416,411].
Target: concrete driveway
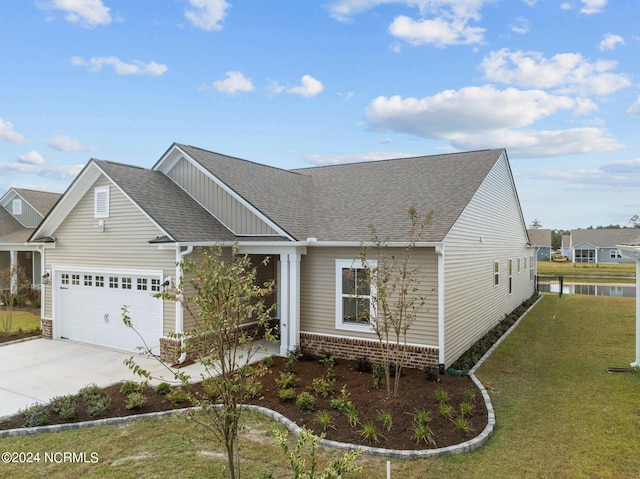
[40,369]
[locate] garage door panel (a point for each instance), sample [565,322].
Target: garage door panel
[89,308]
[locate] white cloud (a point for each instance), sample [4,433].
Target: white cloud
[234,83]
[610,41]
[275,88]
[566,72]
[207,14]
[521,26]
[309,87]
[88,13]
[438,31]
[58,172]
[634,110]
[31,158]
[95,64]
[482,117]
[357,157]
[593,6]
[9,134]
[66,143]
[470,109]
[539,143]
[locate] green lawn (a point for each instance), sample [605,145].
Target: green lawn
[566,268]
[22,321]
[559,414]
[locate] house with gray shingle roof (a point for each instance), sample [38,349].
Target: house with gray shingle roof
[541,239]
[21,211]
[120,232]
[600,245]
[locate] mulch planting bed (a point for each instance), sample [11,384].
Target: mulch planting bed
[417,393]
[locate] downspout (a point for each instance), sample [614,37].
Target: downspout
[179,310]
[441,352]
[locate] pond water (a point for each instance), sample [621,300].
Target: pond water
[623,290]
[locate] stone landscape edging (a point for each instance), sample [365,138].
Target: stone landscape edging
[467,446]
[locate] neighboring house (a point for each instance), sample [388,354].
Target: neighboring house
[119,233]
[21,211]
[600,245]
[541,239]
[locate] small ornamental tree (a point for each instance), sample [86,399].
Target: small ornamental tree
[223,297]
[395,294]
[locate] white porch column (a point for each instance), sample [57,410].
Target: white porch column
[294,301]
[283,302]
[13,268]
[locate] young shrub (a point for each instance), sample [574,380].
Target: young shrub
[136,400]
[329,362]
[306,402]
[287,394]
[65,407]
[379,375]
[252,388]
[370,433]
[322,387]
[422,432]
[352,415]
[462,424]
[90,392]
[364,365]
[129,387]
[99,406]
[446,411]
[163,388]
[290,361]
[466,409]
[386,418]
[286,380]
[442,396]
[342,403]
[469,395]
[178,396]
[324,419]
[35,416]
[267,362]
[422,417]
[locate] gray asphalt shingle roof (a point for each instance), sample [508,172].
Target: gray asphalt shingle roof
[164,201]
[540,237]
[338,203]
[604,237]
[330,203]
[42,201]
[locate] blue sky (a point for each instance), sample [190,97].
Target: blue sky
[297,83]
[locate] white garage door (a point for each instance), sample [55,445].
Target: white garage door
[89,306]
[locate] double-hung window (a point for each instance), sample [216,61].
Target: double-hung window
[353,296]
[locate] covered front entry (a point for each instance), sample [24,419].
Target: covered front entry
[88,307]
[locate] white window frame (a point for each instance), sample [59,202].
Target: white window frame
[101,202]
[340,324]
[496,273]
[16,206]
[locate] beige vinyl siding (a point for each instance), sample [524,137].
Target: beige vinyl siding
[490,229]
[318,294]
[29,217]
[218,201]
[123,244]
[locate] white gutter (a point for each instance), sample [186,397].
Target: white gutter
[308,242]
[441,351]
[179,309]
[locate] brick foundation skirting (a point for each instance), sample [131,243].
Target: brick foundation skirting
[355,349]
[46,325]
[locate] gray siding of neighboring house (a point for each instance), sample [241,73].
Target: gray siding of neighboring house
[318,294]
[29,217]
[123,244]
[217,200]
[544,253]
[489,229]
